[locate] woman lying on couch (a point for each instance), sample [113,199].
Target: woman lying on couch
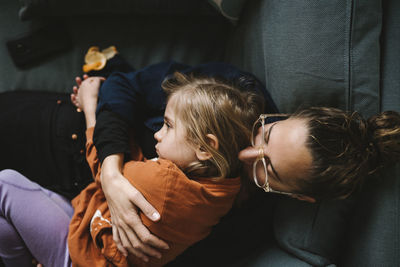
[314,154]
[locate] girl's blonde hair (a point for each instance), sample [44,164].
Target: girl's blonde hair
[211,106]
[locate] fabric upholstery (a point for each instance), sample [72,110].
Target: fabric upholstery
[143,40]
[312,232]
[231,9]
[312,52]
[31,9]
[390,68]
[316,52]
[374,228]
[269,255]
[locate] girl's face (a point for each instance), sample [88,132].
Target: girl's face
[285,151]
[171,139]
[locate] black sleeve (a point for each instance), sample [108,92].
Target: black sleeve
[111,134]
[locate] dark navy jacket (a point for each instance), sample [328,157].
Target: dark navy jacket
[137,98]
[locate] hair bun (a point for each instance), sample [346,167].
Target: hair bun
[384,136]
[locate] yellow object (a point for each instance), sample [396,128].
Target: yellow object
[96,59]
[110,52]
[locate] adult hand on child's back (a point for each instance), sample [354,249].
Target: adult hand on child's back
[124,200]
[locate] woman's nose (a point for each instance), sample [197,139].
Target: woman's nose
[249,154]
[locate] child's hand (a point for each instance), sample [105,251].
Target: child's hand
[85,97]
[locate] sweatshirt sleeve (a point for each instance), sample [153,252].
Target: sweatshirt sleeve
[111,134]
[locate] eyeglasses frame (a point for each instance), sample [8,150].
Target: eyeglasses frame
[261,155]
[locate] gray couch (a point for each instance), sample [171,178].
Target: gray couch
[333,53]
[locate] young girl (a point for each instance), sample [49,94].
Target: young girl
[193,183]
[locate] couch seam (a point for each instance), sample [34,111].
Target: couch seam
[348,55]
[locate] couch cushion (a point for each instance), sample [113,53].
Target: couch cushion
[312,52]
[142,40]
[31,9]
[390,67]
[270,255]
[312,232]
[374,228]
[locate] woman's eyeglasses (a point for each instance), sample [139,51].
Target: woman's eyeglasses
[260,173]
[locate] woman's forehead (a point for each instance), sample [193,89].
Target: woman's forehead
[287,148]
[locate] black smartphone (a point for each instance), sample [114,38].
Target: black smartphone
[38,45]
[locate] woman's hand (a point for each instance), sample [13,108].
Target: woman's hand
[124,200]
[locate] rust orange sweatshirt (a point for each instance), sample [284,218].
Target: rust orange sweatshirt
[188,208]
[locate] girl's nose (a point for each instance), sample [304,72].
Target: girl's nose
[158,134]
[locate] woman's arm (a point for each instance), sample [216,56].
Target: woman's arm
[124,200]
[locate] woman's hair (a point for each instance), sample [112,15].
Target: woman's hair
[213,106]
[345,149]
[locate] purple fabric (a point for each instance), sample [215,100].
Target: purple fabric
[33,223]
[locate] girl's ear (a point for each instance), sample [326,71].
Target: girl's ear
[205,155]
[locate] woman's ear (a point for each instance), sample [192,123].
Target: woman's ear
[205,155]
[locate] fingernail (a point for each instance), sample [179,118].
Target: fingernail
[155,216]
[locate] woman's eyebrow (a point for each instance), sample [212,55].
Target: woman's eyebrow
[269,133]
[275,173]
[270,163]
